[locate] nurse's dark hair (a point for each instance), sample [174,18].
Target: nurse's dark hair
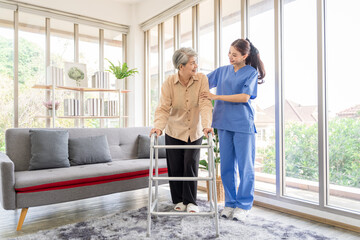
[244,46]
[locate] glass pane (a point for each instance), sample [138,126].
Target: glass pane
[62,42]
[89,48]
[186,28]
[343,103]
[231,27]
[154,72]
[31,69]
[168,47]
[206,36]
[61,51]
[261,34]
[113,50]
[89,55]
[300,103]
[6,73]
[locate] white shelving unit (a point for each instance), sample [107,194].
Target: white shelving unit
[81,90]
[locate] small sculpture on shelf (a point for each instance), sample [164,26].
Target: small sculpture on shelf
[121,71]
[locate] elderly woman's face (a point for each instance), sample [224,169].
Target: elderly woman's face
[190,67]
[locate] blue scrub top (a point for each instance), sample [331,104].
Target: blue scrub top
[235,117]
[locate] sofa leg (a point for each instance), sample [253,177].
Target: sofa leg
[22,218]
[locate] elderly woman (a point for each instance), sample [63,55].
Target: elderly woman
[185,117]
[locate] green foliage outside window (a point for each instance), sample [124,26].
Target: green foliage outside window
[302,155]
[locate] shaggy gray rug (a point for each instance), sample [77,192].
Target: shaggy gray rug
[132,225]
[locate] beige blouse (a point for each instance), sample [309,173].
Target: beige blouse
[181,111]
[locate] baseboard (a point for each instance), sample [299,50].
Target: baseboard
[309,217]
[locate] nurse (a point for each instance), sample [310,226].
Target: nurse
[233,116]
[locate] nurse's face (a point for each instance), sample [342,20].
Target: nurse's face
[190,68]
[235,57]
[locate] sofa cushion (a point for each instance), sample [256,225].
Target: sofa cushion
[82,175]
[89,150]
[144,146]
[49,149]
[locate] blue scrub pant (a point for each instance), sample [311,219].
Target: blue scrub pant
[237,152]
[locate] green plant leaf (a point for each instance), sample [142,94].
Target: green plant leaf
[121,70]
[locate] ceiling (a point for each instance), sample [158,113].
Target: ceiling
[130,1]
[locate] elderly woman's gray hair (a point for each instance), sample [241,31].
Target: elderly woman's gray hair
[182,55]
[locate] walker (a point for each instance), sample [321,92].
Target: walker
[153,198]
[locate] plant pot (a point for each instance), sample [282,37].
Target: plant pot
[50,112]
[220,193]
[118,83]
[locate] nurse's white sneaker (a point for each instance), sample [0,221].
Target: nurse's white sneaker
[226,213]
[240,214]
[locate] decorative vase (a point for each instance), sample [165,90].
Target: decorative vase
[50,112]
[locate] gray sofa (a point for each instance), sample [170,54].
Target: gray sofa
[23,188]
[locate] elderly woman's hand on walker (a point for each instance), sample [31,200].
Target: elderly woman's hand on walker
[157,131]
[207,131]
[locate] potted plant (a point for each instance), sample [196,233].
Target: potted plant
[49,106]
[120,71]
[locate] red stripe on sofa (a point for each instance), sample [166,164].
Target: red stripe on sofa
[88,181]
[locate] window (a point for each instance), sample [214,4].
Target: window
[62,43]
[31,69]
[154,72]
[186,28]
[261,34]
[61,51]
[6,73]
[113,50]
[89,55]
[231,27]
[300,100]
[206,36]
[168,47]
[342,45]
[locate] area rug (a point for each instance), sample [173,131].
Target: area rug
[132,225]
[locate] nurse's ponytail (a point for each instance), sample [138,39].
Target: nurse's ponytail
[253,59]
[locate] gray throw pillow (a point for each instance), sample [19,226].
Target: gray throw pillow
[89,150]
[144,147]
[49,149]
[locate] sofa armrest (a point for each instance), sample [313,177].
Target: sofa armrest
[7,182]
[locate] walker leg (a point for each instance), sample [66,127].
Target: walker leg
[149,209]
[156,181]
[150,193]
[216,208]
[215,197]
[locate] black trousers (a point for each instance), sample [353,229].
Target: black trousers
[182,163]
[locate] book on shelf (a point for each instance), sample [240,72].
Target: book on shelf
[111,108]
[101,80]
[94,107]
[54,74]
[71,107]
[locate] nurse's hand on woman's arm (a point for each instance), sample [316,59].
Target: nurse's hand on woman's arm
[208,95]
[207,131]
[242,97]
[155,130]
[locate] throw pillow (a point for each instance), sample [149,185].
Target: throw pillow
[144,147]
[49,149]
[89,150]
